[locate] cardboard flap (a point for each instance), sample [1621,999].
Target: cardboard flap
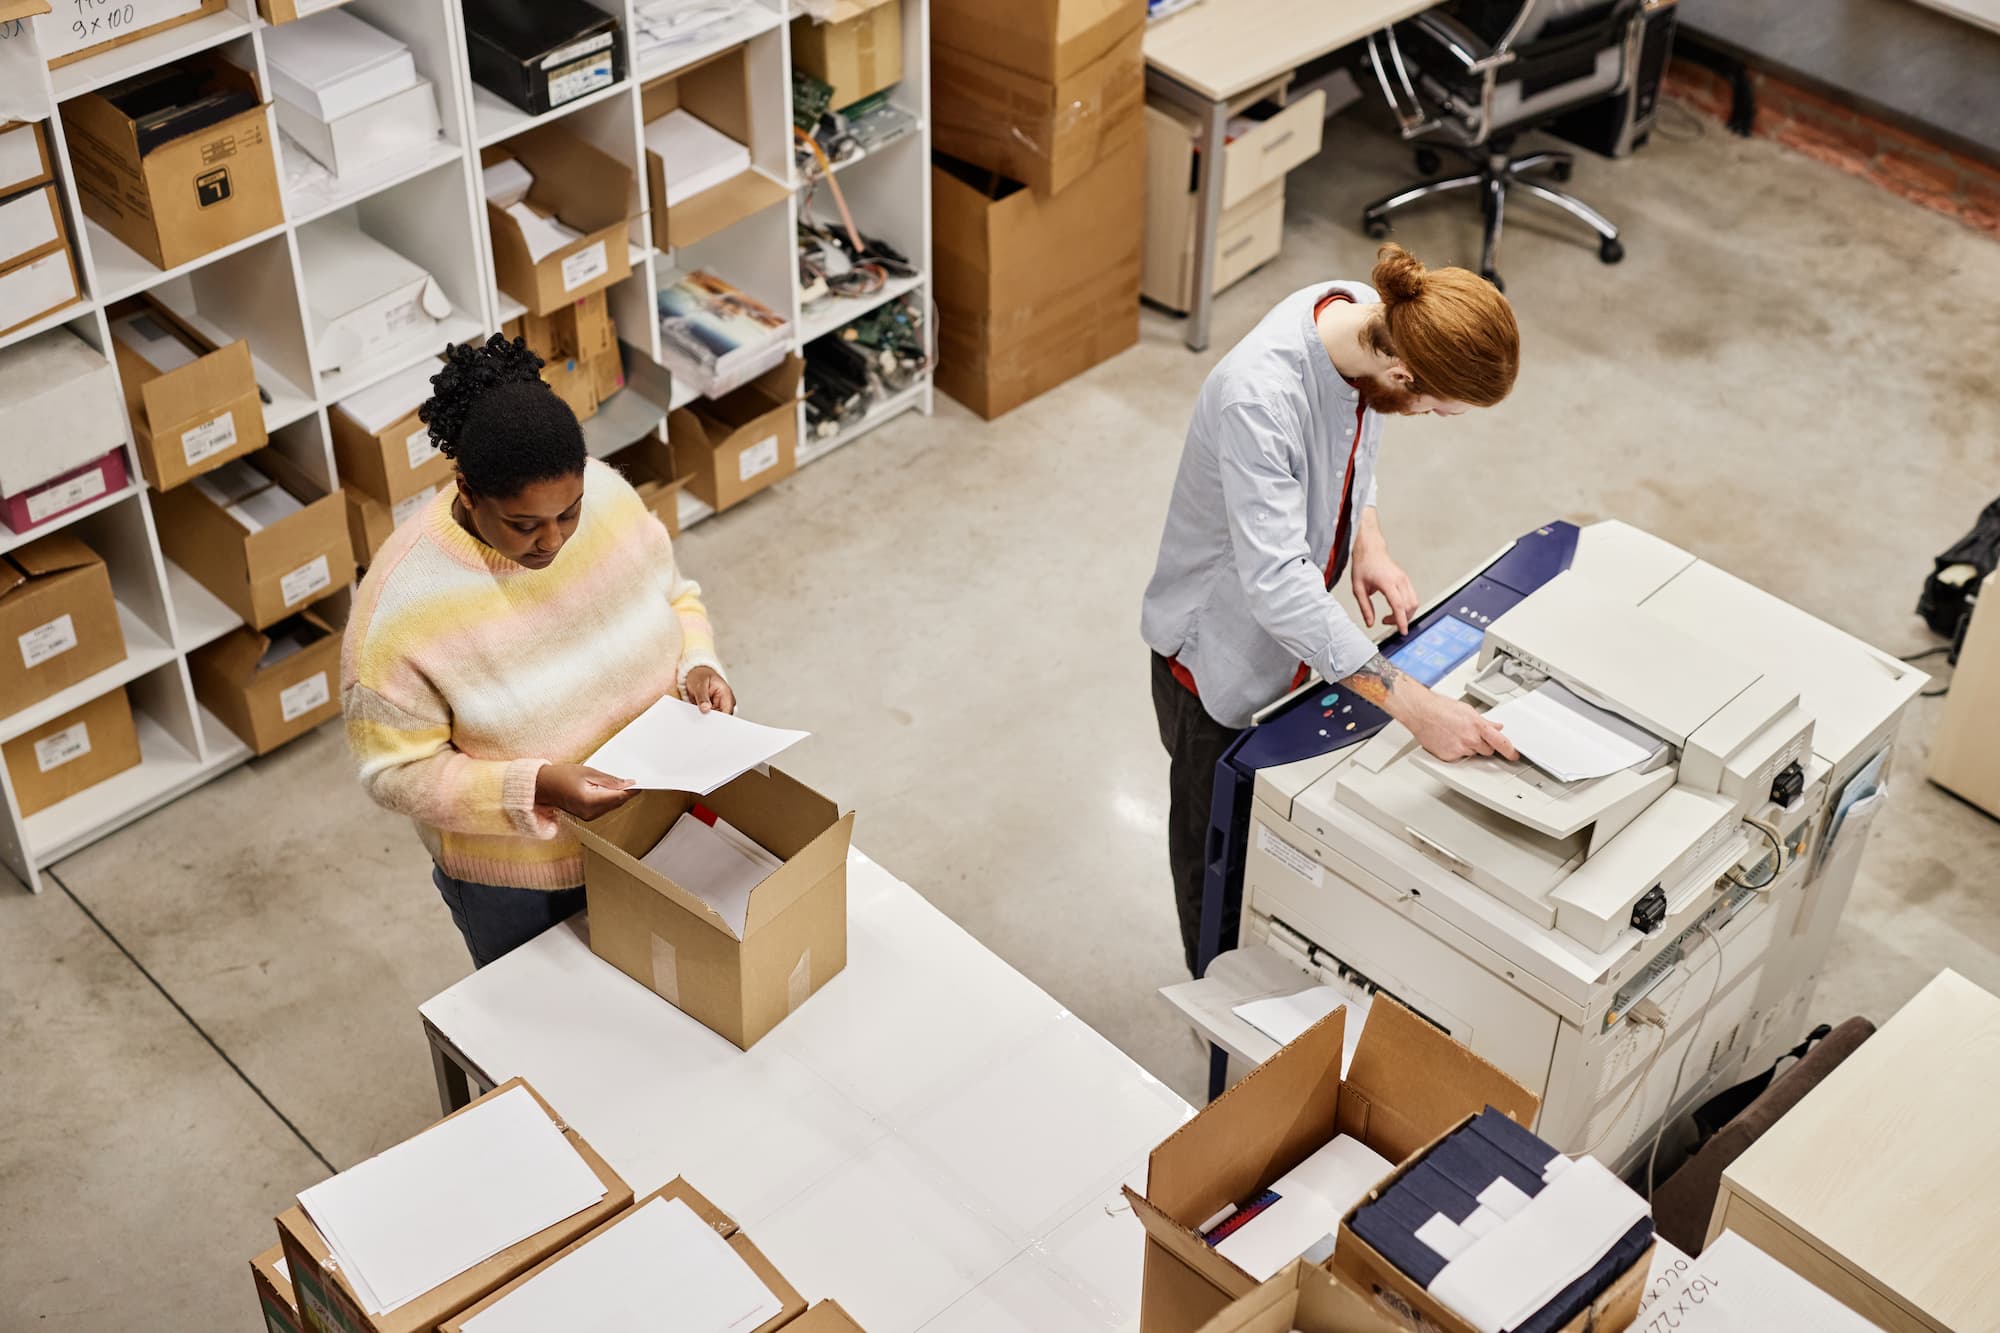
[22,9]
[678,1188]
[11,577]
[822,857]
[782,380]
[840,11]
[1409,1082]
[236,654]
[588,834]
[775,810]
[1281,1113]
[574,179]
[199,390]
[1184,1244]
[52,555]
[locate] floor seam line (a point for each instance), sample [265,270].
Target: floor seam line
[202,1032]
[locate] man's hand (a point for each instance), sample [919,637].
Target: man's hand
[706,689]
[1452,729]
[1374,572]
[583,792]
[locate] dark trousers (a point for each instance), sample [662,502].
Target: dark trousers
[496,920]
[1195,741]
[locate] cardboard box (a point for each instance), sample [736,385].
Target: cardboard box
[661,935]
[824,1317]
[1049,134]
[262,575]
[62,42]
[31,225]
[858,50]
[24,157]
[195,417]
[607,370]
[542,54]
[72,753]
[720,92]
[328,1305]
[29,509]
[362,298]
[58,620]
[60,410]
[584,188]
[1302,1298]
[1407,1084]
[382,447]
[583,328]
[1356,1263]
[37,287]
[1032,289]
[1964,759]
[269,698]
[276,1301]
[1044,39]
[649,467]
[677,1188]
[370,523]
[732,447]
[186,196]
[575,383]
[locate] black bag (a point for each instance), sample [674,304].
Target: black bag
[1953,585]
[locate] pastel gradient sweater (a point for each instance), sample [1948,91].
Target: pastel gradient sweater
[464,673]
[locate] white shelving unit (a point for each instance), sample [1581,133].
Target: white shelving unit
[428,205]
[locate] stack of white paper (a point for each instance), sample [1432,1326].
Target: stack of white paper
[1569,738]
[1312,1196]
[660,1268]
[1284,1018]
[333,64]
[694,155]
[662,25]
[716,863]
[457,1194]
[247,495]
[674,746]
[506,182]
[145,336]
[542,234]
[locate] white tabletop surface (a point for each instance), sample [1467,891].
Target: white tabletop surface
[931,1139]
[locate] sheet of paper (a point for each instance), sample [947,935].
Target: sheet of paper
[155,346]
[674,746]
[542,235]
[1734,1287]
[662,1268]
[713,867]
[506,182]
[1571,739]
[429,1208]
[1341,1172]
[1283,1018]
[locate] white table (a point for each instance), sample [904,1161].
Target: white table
[930,1140]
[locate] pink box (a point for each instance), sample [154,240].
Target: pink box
[52,499]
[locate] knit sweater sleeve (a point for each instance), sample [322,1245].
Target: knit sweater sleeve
[697,635]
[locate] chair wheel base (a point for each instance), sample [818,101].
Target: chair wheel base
[1376,227]
[1428,162]
[1493,277]
[1610,250]
[1560,171]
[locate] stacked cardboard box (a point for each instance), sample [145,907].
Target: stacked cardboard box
[1038,197]
[37,267]
[578,344]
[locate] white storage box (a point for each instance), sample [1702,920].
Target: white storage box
[333,64]
[399,124]
[364,297]
[60,409]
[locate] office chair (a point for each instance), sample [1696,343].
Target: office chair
[1475,75]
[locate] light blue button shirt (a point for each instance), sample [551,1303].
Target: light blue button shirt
[1239,594]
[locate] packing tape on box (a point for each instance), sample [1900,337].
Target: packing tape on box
[994,107]
[798,986]
[666,980]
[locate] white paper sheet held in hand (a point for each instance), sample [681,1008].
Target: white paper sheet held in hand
[660,1268]
[429,1208]
[674,746]
[1569,738]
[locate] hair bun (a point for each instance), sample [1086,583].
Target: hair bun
[1398,275]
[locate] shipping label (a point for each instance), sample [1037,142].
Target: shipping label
[419,447]
[573,81]
[304,581]
[72,742]
[303,697]
[210,438]
[45,505]
[757,459]
[587,263]
[407,509]
[42,642]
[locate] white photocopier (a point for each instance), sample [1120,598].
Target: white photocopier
[1622,936]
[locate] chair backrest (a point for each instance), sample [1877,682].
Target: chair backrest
[1491,19]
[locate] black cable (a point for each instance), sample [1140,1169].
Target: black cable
[1928,652]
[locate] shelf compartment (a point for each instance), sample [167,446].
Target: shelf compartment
[751,21]
[835,313]
[154,49]
[626,417]
[144,651]
[327,193]
[494,118]
[166,769]
[199,616]
[897,403]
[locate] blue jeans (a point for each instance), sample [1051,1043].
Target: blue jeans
[496,920]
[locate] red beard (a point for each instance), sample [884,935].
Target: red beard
[1385,396]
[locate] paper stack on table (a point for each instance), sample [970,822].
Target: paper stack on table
[1299,1215]
[715,862]
[674,746]
[694,155]
[1569,738]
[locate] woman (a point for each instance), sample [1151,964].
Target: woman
[504,633]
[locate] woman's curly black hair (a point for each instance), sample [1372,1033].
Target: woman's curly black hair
[491,413]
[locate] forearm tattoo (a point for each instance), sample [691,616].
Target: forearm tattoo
[1375,680]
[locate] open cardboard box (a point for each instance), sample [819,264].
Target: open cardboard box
[583,187]
[267,705]
[857,50]
[56,608]
[1408,1083]
[1045,39]
[275,1299]
[1302,1298]
[328,1305]
[266,575]
[649,467]
[666,938]
[72,753]
[396,459]
[716,90]
[723,1225]
[732,447]
[196,417]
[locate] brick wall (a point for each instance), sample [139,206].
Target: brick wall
[1859,145]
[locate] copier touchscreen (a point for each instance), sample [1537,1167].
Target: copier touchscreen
[1433,653]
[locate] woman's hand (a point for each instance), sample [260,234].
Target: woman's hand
[706,689]
[583,792]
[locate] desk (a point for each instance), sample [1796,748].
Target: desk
[931,1139]
[1217,50]
[1882,1186]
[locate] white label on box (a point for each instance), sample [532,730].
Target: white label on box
[42,642]
[584,265]
[72,742]
[304,581]
[600,42]
[757,459]
[404,316]
[403,512]
[1290,857]
[211,437]
[78,25]
[303,697]
[44,505]
[587,75]
[419,447]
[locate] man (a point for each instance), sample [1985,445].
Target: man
[1275,501]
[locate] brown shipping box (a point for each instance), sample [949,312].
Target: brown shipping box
[275,1299]
[649,467]
[268,705]
[575,383]
[1048,134]
[196,417]
[718,91]
[328,1305]
[1964,759]
[795,932]
[120,36]
[1408,1083]
[1302,1298]
[265,575]
[58,620]
[825,1317]
[392,464]
[677,1188]
[1045,39]
[858,51]
[587,189]
[732,447]
[1033,290]
[187,196]
[1356,1263]
[370,522]
[72,753]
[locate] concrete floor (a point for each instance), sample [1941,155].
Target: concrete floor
[1788,376]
